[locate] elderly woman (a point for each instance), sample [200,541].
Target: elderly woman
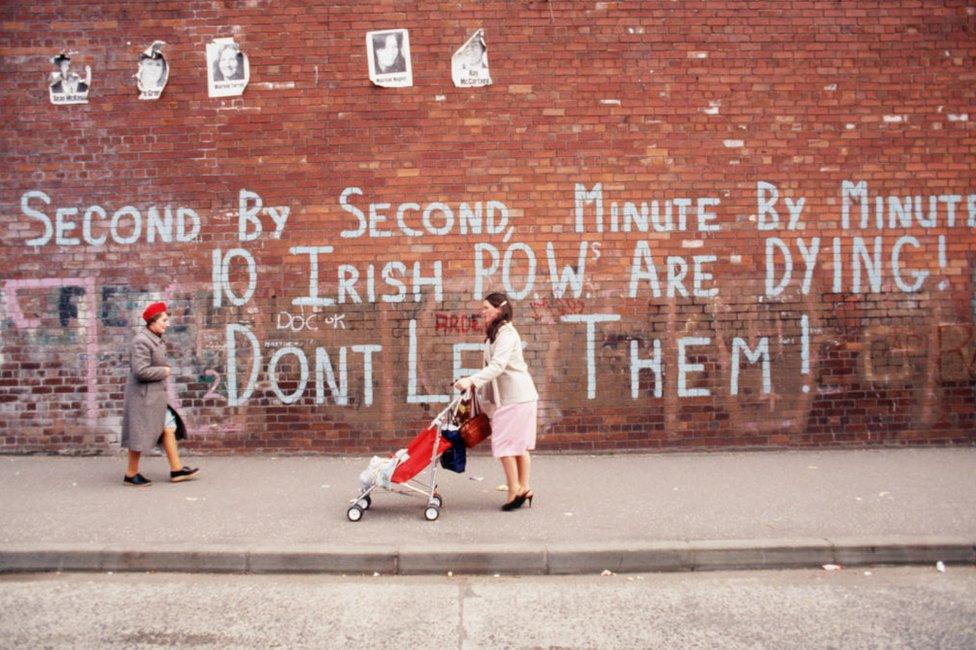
[147,419]
[507,386]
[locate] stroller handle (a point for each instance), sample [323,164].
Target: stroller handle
[450,409]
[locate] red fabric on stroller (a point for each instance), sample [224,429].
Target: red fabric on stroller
[420,451]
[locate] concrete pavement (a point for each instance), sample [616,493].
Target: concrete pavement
[629,512]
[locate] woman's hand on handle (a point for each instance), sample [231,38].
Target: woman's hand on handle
[464,384]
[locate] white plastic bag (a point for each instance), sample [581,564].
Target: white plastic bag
[380,470]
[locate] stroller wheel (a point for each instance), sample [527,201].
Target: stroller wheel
[432,513]
[437,500]
[364,502]
[355,513]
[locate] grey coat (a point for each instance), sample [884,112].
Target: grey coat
[144,412]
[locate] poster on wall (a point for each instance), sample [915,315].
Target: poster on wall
[228,70]
[65,85]
[469,65]
[388,54]
[153,72]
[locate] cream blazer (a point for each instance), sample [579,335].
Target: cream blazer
[505,378]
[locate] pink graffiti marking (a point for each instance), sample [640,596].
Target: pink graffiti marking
[212,392]
[10,289]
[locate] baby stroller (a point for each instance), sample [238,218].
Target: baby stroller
[398,473]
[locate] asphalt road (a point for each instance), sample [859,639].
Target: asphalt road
[863,608]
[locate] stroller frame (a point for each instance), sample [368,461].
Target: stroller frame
[412,487]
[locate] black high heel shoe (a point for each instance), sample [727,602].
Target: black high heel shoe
[528,495]
[514,503]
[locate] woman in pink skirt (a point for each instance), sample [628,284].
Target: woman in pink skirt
[510,398]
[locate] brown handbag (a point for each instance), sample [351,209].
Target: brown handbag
[476,428]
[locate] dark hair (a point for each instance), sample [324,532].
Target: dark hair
[154,318]
[239,57]
[379,40]
[501,302]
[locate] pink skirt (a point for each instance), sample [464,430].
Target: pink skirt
[513,429]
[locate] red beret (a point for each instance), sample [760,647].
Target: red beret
[153,309]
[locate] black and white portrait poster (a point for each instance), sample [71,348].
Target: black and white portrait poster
[65,85]
[388,53]
[227,68]
[153,72]
[469,65]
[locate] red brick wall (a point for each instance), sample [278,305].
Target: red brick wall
[716,107]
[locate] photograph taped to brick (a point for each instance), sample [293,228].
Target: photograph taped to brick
[469,65]
[388,55]
[228,69]
[65,85]
[153,72]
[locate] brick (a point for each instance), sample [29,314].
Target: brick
[655,105]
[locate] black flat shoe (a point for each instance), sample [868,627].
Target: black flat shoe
[184,474]
[136,481]
[514,504]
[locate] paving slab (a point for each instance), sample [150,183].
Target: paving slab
[622,512]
